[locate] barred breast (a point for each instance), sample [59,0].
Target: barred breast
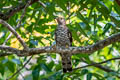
[62,37]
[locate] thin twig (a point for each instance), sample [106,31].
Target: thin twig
[9,36]
[18,71]
[93,64]
[22,76]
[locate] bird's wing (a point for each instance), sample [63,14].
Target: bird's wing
[70,36]
[56,35]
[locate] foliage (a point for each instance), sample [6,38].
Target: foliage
[90,21]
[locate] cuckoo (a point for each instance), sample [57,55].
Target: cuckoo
[63,38]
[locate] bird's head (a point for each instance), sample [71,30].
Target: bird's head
[61,21]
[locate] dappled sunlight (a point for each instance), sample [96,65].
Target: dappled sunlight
[31,52]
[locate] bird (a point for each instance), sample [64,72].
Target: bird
[63,38]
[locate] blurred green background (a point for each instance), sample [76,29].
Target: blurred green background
[88,20]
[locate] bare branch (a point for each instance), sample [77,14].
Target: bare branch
[2,54]
[77,50]
[19,23]
[14,32]
[98,65]
[6,50]
[11,12]
[105,68]
[74,50]
[18,71]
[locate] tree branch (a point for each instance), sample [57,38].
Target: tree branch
[77,50]
[11,12]
[14,32]
[20,68]
[48,49]
[19,23]
[98,65]
[74,50]
[9,36]
[6,50]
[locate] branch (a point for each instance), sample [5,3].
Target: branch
[14,32]
[77,50]
[105,68]
[118,2]
[6,50]
[98,65]
[19,23]
[18,71]
[74,50]
[9,36]
[11,12]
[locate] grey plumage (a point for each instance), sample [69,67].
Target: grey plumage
[63,38]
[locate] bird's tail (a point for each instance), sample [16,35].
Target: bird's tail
[66,62]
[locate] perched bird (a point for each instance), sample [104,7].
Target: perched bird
[63,38]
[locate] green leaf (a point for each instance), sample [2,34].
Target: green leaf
[113,73]
[35,72]
[11,66]
[106,28]
[95,20]
[117,7]
[2,69]
[61,3]
[81,30]
[30,27]
[103,9]
[89,76]
[56,76]
[84,71]
[110,78]
[84,20]
[74,35]
[50,9]
[45,67]
[98,76]
[83,56]
[51,65]
[115,18]
[16,61]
